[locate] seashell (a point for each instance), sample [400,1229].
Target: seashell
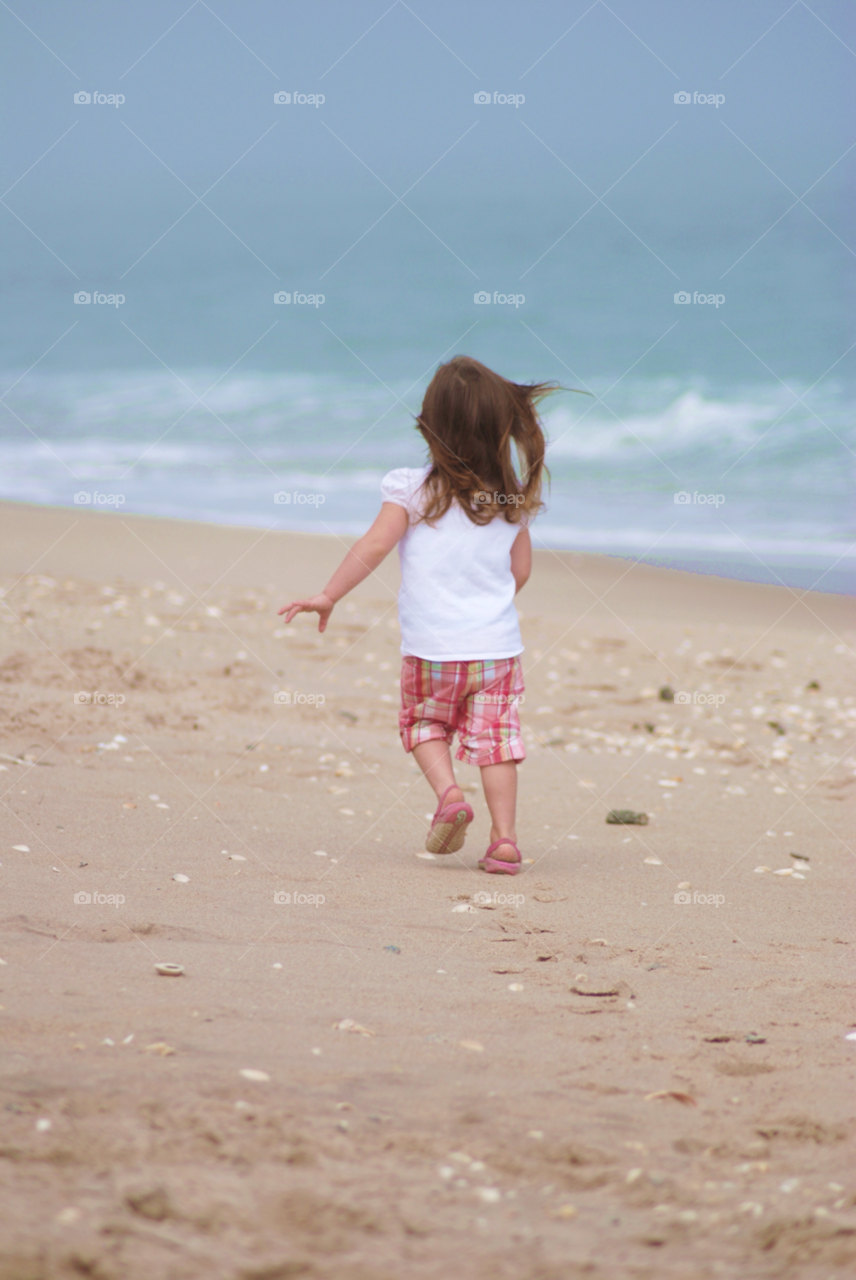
[168,970]
[237,857]
[21,848]
[348,1024]
[758,870]
[653,862]
[43,1125]
[181,879]
[250,1073]
[489,1195]
[667,782]
[686,1098]
[464,906]
[160,1046]
[565,1211]
[515,986]
[784,871]
[475,1047]
[320,853]
[428,856]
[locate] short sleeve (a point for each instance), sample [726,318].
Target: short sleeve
[401,486]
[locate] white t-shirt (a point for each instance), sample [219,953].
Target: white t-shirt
[456,602]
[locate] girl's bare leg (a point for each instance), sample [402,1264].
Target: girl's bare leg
[500,792]
[435,760]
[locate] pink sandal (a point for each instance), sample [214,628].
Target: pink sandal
[449,825]
[495,866]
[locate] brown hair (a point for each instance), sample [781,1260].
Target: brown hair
[470,416]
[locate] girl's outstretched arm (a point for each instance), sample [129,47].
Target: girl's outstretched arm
[362,559]
[521,559]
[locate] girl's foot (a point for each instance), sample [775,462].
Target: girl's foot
[507,864]
[449,826]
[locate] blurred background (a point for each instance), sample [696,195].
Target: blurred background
[627,154]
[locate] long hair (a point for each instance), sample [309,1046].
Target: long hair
[470,418]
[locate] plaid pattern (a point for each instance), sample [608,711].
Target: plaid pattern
[478,699]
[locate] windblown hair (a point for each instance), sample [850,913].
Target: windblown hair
[470,418]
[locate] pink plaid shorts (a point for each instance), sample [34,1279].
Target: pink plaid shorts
[478,699]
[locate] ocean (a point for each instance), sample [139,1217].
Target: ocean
[718,434]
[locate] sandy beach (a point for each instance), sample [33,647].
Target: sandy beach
[382,1064]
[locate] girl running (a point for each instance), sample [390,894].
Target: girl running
[461,525]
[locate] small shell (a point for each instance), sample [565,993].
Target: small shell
[168,970]
[250,1073]
[784,871]
[489,1195]
[181,879]
[653,862]
[515,986]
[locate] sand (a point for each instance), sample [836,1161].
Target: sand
[573,1072]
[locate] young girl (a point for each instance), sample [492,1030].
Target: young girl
[461,526]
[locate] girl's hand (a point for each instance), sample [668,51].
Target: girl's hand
[321,604]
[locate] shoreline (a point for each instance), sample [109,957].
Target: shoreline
[61,519]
